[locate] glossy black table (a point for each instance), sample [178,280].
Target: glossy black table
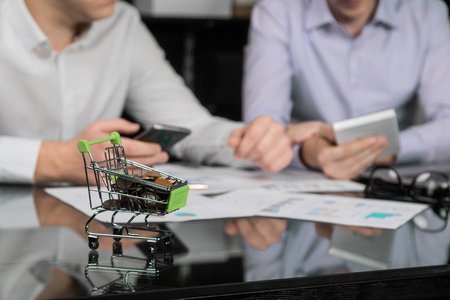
[44,254]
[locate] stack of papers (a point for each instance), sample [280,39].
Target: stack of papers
[234,193]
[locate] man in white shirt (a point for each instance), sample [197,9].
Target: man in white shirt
[69,70]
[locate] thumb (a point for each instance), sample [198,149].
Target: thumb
[302,137]
[326,131]
[235,137]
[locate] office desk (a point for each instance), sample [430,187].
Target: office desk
[44,254]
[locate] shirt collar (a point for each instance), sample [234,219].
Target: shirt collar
[319,13]
[25,26]
[386,13]
[31,34]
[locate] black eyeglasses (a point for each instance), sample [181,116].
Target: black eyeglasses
[431,187]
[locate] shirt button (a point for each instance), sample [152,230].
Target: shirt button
[43,50]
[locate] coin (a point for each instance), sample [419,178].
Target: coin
[111,204]
[123,184]
[150,175]
[164,182]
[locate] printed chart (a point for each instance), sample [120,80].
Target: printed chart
[224,179]
[343,210]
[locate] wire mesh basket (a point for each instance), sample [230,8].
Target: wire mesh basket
[124,186]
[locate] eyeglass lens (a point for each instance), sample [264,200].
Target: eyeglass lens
[385,183]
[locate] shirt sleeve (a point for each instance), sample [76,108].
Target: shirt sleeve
[158,95]
[431,140]
[18,159]
[268,69]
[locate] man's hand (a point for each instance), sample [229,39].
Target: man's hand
[342,161]
[264,142]
[301,131]
[260,233]
[326,230]
[61,161]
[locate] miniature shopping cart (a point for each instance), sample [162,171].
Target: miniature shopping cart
[124,273]
[130,189]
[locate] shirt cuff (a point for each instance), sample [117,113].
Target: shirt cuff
[413,148]
[296,161]
[18,160]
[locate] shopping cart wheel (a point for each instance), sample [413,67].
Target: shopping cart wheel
[93,242]
[117,248]
[168,257]
[117,231]
[169,243]
[93,257]
[164,243]
[151,248]
[151,263]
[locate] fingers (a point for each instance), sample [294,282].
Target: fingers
[279,163]
[260,233]
[121,125]
[324,230]
[301,131]
[326,131]
[386,160]
[264,142]
[139,151]
[102,128]
[235,137]
[160,158]
[144,152]
[276,159]
[349,160]
[353,166]
[231,227]
[262,145]
[252,134]
[135,148]
[365,231]
[273,152]
[353,148]
[313,149]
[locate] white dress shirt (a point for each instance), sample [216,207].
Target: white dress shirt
[115,65]
[301,64]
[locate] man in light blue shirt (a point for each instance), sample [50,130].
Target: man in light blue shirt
[332,60]
[314,61]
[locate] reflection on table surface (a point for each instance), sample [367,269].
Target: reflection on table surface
[45,253]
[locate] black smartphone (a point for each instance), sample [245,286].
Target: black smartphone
[165,135]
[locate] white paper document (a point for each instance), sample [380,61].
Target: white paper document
[342,210]
[224,179]
[268,203]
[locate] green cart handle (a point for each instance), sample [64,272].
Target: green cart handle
[85,146]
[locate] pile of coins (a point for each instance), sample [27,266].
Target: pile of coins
[130,190]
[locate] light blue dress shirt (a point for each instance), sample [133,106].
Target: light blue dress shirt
[301,252]
[301,64]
